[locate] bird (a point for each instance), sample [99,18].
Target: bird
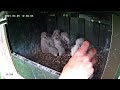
[77,45]
[57,41]
[47,44]
[44,46]
[65,39]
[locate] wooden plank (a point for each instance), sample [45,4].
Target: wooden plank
[63,23]
[102,38]
[74,31]
[81,27]
[96,33]
[108,35]
[109,30]
[51,23]
[92,32]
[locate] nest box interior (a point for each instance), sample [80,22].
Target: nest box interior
[24,35]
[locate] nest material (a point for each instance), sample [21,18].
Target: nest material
[58,62]
[54,62]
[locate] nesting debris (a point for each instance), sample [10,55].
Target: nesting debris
[100,65]
[54,62]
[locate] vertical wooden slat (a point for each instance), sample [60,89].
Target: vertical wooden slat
[108,35]
[81,27]
[102,37]
[74,31]
[96,33]
[63,23]
[51,23]
[92,32]
[109,30]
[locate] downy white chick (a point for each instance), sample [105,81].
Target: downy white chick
[79,42]
[44,46]
[47,44]
[65,39]
[52,49]
[57,41]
